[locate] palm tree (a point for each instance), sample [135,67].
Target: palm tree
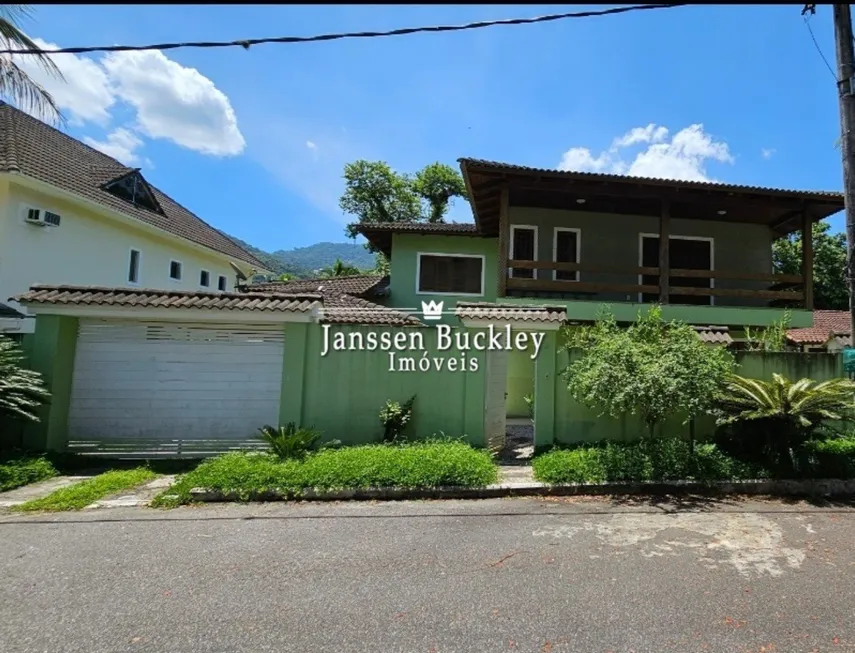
[15,85]
[339,269]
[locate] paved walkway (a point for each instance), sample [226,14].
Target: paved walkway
[139,496]
[38,490]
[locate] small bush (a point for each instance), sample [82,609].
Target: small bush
[646,460]
[23,470]
[395,417]
[420,465]
[289,441]
[829,458]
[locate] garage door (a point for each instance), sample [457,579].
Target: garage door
[160,380]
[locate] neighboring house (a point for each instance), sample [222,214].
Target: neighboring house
[70,214]
[830,332]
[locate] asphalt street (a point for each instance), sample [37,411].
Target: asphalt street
[521,575]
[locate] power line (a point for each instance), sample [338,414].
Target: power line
[246,43]
[816,45]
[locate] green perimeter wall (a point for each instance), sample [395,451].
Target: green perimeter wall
[343,392]
[577,423]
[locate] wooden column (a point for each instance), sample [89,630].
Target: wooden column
[807,259]
[664,239]
[504,242]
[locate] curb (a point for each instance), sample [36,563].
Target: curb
[812,488]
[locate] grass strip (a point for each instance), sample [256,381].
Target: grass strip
[79,495]
[411,465]
[22,470]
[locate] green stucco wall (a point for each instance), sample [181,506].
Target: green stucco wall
[405,250]
[344,391]
[52,350]
[520,381]
[613,240]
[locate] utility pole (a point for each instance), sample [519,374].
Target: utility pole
[845,90]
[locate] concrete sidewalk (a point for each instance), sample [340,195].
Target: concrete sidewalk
[38,490]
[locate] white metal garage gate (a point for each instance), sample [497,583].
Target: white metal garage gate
[173,387]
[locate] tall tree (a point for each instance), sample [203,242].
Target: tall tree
[829,264]
[437,184]
[376,193]
[15,85]
[339,269]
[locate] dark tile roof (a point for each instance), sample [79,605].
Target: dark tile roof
[490,311]
[9,312]
[380,234]
[498,165]
[151,298]
[32,148]
[825,325]
[340,308]
[362,285]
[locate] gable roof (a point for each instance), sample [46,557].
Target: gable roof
[32,148]
[360,285]
[825,325]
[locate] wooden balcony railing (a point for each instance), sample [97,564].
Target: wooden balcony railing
[783,287]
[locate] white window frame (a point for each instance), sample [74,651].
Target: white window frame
[180,271]
[514,227]
[447,254]
[225,283]
[578,233]
[139,267]
[711,241]
[200,278]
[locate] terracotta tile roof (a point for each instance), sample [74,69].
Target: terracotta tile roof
[340,308]
[490,311]
[363,285]
[717,335]
[32,148]
[380,234]
[825,325]
[150,298]
[483,163]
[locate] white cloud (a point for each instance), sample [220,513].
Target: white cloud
[85,95]
[311,145]
[767,153]
[174,102]
[121,144]
[684,157]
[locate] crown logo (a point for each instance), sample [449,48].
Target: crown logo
[432,310]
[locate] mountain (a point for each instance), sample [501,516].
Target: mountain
[304,262]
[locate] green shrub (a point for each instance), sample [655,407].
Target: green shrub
[23,470]
[22,391]
[833,458]
[418,465]
[395,417]
[646,460]
[290,441]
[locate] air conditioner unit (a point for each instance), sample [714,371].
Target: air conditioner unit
[42,218]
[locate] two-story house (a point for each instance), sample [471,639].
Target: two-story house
[72,215]
[581,240]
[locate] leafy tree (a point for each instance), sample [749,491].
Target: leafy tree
[437,184]
[773,418]
[829,264]
[381,264]
[22,391]
[339,269]
[376,193]
[15,85]
[285,276]
[653,368]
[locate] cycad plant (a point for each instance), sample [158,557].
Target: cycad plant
[776,417]
[290,441]
[21,390]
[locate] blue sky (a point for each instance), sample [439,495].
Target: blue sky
[255,142]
